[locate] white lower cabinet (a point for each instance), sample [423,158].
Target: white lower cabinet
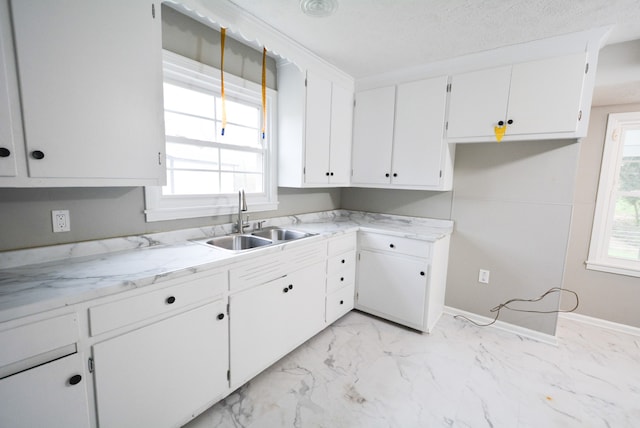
[393,287]
[402,279]
[271,319]
[50,395]
[163,374]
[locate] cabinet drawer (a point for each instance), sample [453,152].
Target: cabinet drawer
[36,338]
[339,279]
[127,311]
[267,268]
[395,244]
[342,244]
[339,303]
[341,261]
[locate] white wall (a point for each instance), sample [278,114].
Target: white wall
[602,295]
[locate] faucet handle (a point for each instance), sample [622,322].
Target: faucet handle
[258,225]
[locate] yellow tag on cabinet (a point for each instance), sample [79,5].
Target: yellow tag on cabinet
[499,130]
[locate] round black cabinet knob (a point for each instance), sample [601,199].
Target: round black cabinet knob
[170,300]
[285,290]
[332,174]
[342,261]
[4,152]
[510,121]
[327,174]
[392,246]
[501,123]
[220,316]
[342,302]
[422,273]
[75,379]
[37,154]
[290,286]
[395,174]
[342,278]
[386,175]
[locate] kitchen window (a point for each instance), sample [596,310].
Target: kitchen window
[205,169]
[615,238]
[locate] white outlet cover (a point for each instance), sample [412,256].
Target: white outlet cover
[483,276]
[60,221]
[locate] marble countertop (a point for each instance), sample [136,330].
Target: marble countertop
[41,279]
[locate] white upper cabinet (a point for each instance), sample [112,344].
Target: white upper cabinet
[90,76]
[373,135]
[8,94]
[534,100]
[314,127]
[399,137]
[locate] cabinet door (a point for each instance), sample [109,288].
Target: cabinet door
[318,129]
[341,131]
[373,136]
[161,374]
[392,287]
[7,143]
[50,395]
[267,322]
[91,88]
[545,95]
[478,102]
[418,142]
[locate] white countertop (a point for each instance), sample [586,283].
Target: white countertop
[68,274]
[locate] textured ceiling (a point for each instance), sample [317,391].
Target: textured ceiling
[369,37]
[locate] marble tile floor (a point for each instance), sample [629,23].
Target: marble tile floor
[365,372]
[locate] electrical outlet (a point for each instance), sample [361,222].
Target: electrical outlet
[483,276]
[60,220]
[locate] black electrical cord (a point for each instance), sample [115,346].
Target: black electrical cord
[508,302]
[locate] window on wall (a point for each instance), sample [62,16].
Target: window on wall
[205,169]
[615,238]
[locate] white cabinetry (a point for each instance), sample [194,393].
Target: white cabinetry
[42,377]
[402,279]
[8,98]
[341,275]
[270,320]
[398,137]
[538,99]
[166,372]
[315,125]
[91,94]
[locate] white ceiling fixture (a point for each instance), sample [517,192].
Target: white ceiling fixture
[318,8]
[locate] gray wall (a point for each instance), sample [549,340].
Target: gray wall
[98,213]
[512,212]
[602,295]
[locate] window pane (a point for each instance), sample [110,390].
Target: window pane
[241,136]
[625,234]
[189,156]
[231,183]
[179,125]
[191,183]
[240,113]
[177,98]
[233,160]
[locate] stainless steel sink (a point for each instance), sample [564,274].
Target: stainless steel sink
[259,238]
[239,242]
[278,234]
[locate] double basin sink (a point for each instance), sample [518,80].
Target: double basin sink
[256,239]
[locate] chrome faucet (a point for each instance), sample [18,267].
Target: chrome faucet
[242,206]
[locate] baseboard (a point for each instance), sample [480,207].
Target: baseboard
[501,325]
[598,322]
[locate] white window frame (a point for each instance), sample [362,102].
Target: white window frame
[598,258]
[161,207]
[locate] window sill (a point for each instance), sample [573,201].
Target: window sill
[162,214]
[612,268]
